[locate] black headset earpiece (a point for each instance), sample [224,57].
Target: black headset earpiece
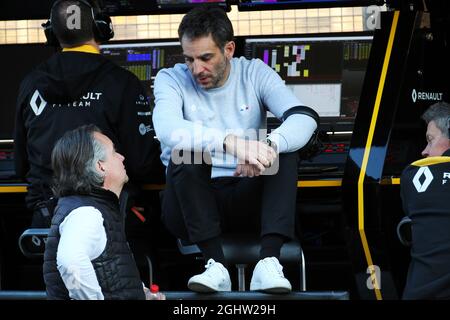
[52,40]
[102,28]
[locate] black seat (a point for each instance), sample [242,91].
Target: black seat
[243,249]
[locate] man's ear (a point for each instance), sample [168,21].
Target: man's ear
[229,48]
[100,167]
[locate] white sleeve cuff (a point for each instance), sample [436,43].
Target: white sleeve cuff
[280,141]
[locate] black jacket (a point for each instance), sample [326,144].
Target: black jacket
[115,268]
[72,89]
[425,188]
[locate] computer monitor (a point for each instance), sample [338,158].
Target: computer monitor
[140,7]
[145,59]
[325,71]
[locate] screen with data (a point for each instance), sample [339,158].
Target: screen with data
[145,59]
[325,72]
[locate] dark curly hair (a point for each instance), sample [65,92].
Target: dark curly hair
[203,21]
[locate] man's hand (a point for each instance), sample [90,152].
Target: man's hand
[254,156]
[247,170]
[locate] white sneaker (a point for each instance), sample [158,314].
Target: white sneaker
[268,277]
[215,278]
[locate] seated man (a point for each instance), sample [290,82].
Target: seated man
[87,255]
[210,117]
[425,186]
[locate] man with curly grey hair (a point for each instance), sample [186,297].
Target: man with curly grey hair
[425,186]
[87,255]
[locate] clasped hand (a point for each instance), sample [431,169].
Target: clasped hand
[254,157]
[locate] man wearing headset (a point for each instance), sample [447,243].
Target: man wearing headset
[75,87]
[210,117]
[425,186]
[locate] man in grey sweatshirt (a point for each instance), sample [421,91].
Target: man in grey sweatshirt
[210,117]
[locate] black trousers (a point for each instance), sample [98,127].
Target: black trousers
[197,208]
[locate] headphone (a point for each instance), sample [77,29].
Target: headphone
[102,25]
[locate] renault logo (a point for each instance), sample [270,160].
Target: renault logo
[422,186]
[37,103]
[426,96]
[414,95]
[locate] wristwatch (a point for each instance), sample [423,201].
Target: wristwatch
[271,144]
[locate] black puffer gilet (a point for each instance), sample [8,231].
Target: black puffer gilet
[115,268]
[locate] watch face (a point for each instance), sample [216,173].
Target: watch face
[272,144]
